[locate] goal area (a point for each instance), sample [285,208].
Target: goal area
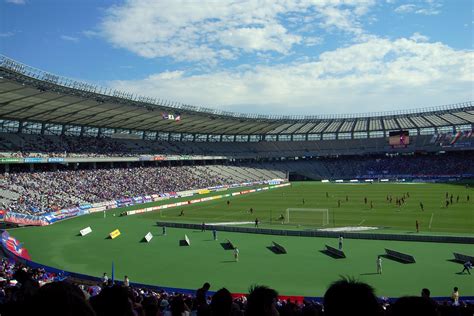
[319,216]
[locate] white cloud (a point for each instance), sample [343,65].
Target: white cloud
[7,34]
[210,31]
[406,8]
[69,38]
[312,41]
[268,38]
[375,75]
[16,1]
[427,7]
[90,33]
[417,37]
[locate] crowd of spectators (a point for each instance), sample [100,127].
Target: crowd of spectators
[40,192]
[44,191]
[399,165]
[31,146]
[26,291]
[22,145]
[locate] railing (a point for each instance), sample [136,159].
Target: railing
[20,68]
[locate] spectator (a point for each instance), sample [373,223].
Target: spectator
[262,302]
[455,296]
[113,301]
[60,299]
[358,299]
[414,306]
[221,304]
[178,308]
[200,303]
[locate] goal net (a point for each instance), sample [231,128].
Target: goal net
[302,216]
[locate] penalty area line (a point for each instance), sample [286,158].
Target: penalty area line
[361,222]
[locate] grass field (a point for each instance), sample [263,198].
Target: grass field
[268,206]
[303,271]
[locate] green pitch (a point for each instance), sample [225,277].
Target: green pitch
[303,271]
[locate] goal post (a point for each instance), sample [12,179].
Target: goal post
[323,214]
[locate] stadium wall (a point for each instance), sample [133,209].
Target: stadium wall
[327,234]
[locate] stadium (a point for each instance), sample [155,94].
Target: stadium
[73,151]
[236,158]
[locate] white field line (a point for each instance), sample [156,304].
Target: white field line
[230,223]
[431,220]
[348,229]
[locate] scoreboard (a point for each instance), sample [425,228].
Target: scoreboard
[399,139]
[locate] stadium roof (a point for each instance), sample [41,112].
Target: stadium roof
[29,94]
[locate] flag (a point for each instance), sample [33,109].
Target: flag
[174,117]
[113,272]
[456,137]
[14,246]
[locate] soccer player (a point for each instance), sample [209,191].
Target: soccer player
[371,204]
[417,226]
[457,199]
[347,198]
[228,202]
[236,254]
[341,239]
[379,265]
[203,227]
[447,203]
[164,230]
[467,266]
[421,206]
[365,200]
[303,201]
[256,223]
[214,234]
[251,210]
[467,198]
[182,213]
[327,195]
[338,203]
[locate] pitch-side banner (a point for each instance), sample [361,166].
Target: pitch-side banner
[114,234]
[25,219]
[85,231]
[148,237]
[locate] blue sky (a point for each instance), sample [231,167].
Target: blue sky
[271,57]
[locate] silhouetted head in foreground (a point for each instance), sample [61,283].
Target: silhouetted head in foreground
[221,304]
[60,299]
[350,297]
[262,302]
